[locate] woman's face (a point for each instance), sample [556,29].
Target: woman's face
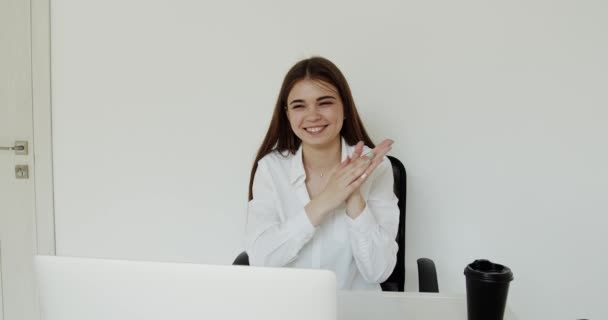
[315,112]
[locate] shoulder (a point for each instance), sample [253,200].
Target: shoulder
[276,157]
[276,161]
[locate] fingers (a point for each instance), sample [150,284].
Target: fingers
[377,154]
[360,166]
[363,169]
[345,163]
[384,144]
[355,170]
[358,150]
[349,159]
[369,161]
[378,158]
[382,149]
[356,154]
[357,183]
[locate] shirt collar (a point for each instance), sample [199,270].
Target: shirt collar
[297,171]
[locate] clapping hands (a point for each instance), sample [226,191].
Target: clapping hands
[345,181]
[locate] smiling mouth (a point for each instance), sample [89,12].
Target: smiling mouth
[315,130]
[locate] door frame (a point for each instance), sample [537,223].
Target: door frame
[40,17]
[1,297]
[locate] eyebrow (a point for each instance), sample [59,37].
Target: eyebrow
[318,99]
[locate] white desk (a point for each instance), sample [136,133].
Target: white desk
[403,306]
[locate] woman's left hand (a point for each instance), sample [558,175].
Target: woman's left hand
[355,203]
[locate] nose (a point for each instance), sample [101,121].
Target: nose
[313,113]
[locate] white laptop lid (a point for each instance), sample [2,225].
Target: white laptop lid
[95,289]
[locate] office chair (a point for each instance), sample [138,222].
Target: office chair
[427,274]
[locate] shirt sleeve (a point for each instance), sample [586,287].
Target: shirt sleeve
[374,231]
[270,241]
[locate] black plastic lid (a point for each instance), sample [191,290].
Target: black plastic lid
[485,270]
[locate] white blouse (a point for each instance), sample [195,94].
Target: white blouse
[361,252]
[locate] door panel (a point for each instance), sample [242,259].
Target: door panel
[17,196]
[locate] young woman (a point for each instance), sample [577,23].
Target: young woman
[319,196]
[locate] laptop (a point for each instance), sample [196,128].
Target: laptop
[96,289]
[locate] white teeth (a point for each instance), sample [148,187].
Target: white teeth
[315,129]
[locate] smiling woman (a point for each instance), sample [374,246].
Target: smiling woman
[316,121]
[314,200]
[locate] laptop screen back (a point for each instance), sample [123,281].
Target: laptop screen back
[96,289]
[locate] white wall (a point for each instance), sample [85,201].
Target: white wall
[498,111]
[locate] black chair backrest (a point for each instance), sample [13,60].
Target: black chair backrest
[396,281]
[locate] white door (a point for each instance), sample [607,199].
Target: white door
[1,307]
[17,196]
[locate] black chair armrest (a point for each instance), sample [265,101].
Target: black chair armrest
[427,276]
[241,260]
[390,286]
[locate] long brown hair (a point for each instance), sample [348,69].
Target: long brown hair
[281,138]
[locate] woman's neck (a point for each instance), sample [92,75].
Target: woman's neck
[322,158]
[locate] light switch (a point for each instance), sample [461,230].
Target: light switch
[22,172]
